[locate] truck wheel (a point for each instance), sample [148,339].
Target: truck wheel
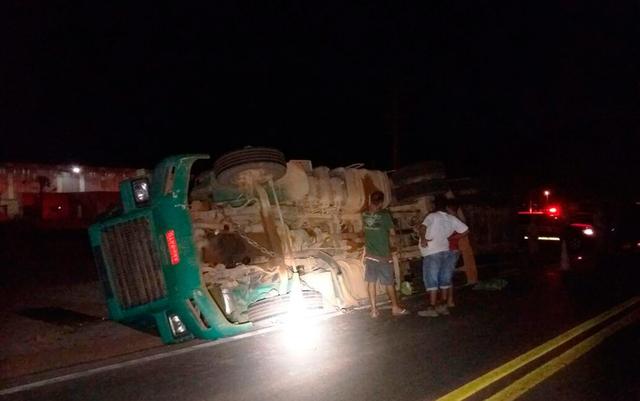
[250,165]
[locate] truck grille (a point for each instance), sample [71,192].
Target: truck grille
[132,259]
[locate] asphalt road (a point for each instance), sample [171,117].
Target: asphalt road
[353,357]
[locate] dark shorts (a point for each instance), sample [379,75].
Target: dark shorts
[378,270]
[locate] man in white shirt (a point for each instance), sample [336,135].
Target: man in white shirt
[435,231]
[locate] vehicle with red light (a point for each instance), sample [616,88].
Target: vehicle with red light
[581,238]
[545,225]
[545,232]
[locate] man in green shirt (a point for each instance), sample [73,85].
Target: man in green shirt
[378,263]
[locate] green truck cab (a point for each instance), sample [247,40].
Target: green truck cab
[147,260]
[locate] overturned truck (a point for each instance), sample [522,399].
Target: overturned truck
[235,246]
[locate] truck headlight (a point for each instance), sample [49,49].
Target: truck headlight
[177,327]
[140,190]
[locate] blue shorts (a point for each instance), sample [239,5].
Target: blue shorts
[437,270]
[453,262]
[378,270]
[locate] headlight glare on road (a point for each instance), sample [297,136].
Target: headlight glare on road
[300,334]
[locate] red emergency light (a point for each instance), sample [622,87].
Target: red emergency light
[553,211]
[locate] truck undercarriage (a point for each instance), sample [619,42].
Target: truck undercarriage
[251,238]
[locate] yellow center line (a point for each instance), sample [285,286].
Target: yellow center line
[524,384]
[485,380]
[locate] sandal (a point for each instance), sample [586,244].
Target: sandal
[402,312]
[374,314]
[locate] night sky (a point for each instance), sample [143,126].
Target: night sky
[524,90]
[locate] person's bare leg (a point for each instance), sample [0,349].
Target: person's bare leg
[393,298]
[433,298]
[450,302]
[442,307]
[444,294]
[391,293]
[371,289]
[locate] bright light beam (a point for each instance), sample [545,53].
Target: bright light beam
[300,334]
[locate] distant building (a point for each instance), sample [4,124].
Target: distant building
[59,193]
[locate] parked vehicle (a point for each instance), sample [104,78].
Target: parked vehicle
[548,230]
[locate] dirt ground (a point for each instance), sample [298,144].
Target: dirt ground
[51,327]
[52,308]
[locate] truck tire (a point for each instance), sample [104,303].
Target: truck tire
[257,164]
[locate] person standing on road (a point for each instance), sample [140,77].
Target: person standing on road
[378,227]
[452,209]
[435,231]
